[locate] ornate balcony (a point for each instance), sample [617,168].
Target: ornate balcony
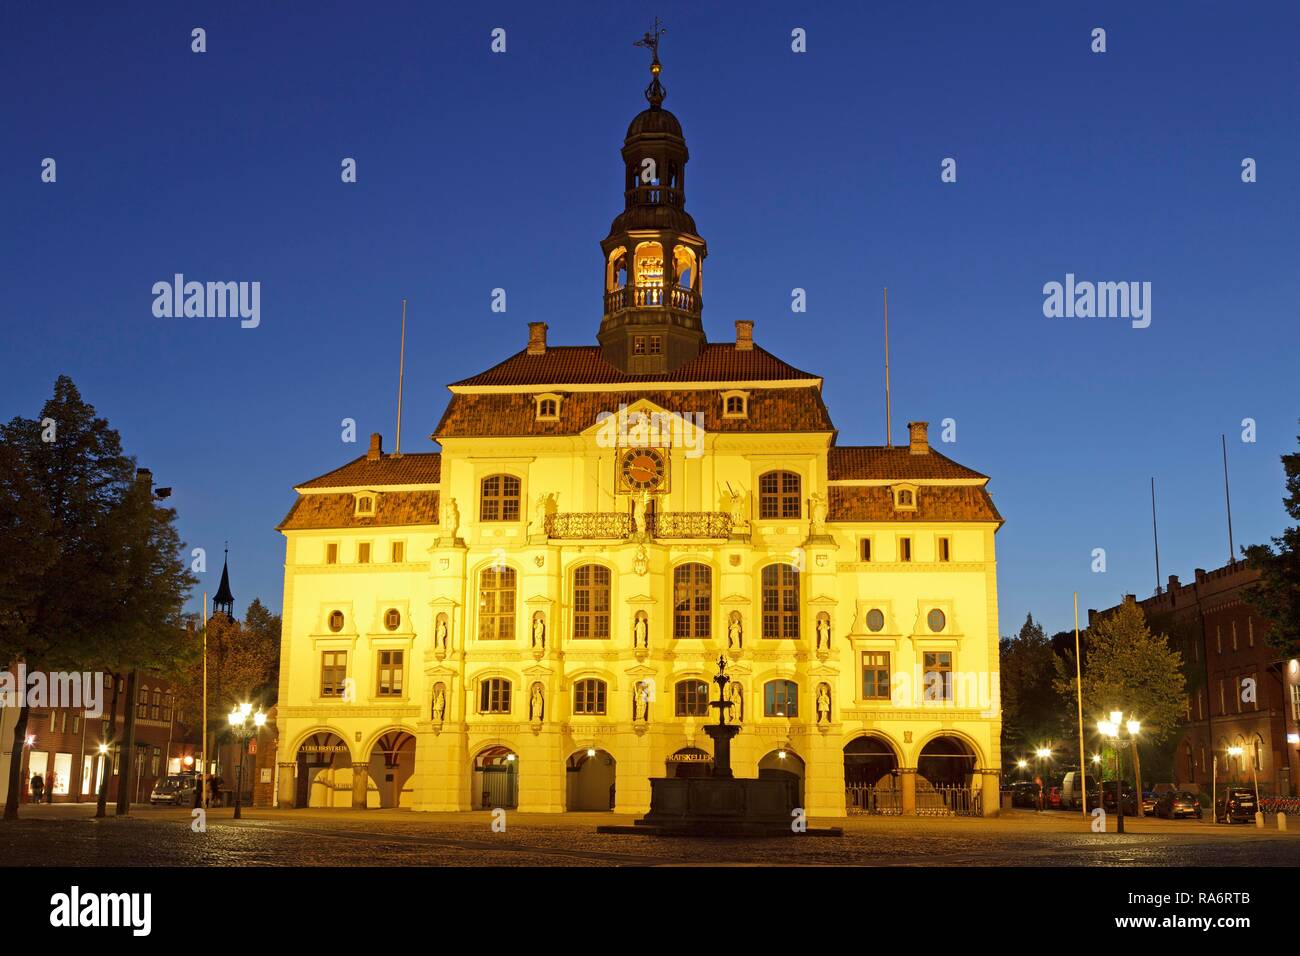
[653,296]
[589,524]
[690,524]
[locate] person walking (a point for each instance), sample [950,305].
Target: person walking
[38,787]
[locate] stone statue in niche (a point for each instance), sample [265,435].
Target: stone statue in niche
[735,632]
[439,709]
[539,631]
[823,631]
[440,633]
[640,701]
[451,517]
[817,514]
[823,703]
[737,697]
[641,630]
[546,505]
[640,506]
[536,703]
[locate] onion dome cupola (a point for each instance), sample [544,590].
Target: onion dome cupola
[652,317]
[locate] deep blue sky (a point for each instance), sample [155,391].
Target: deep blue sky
[818,170]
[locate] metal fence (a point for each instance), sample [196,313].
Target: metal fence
[871,799]
[931,801]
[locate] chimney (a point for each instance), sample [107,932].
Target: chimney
[918,441]
[1130,598]
[744,335]
[1200,575]
[376,447]
[1173,583]
[536,338]
[146,476]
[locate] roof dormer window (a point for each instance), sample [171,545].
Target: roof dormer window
[904,497]
[735,404]
[548,407]
[365,507]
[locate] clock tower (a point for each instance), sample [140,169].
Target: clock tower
[653,254]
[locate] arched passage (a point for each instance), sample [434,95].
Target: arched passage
[324,776]
[945,778]
[871,782]
[784,765]
[392,762]
[589,780]
[495,779]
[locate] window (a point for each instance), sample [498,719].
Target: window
[500,499]
[363,552]
[496,604]
[399,552]
[365,504]
[936,620]
[548,408]
[656,344]
[494,696]
[331,553]
[904,549]
[591,601]
[1218,639]
[734,405]
[1295,702]
[938,675]
[333,671]
[392,619]
[864,549]
[638,345]
[1234,635]
[692,601]
[906,499]
[1223,700]
[779,495]
[1250,632]
[390,674]
[156,759]
[780,602]
[589,697]
[691,698]
[167,708]
[155,708]
[944,549]
[875,620]
[875,675]
[142,704]
[1254,679]
[336,621]
[76,723]
[781,699]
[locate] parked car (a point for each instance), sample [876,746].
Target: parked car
[1237,805]
[177,789]
[1024,794]
[1108,796]
[1131,803]
[1072,792]
[1178,803]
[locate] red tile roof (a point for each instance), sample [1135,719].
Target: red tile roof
[419,468]
[339,511]
[892,464]
[585,365]
[935,503]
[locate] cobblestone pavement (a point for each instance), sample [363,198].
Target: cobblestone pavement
[68,835]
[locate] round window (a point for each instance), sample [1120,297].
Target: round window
[936,620]
[336,620]
[392,619]
[875,620]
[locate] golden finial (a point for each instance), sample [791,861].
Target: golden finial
[655,92]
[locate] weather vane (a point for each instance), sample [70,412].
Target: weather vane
[655,92]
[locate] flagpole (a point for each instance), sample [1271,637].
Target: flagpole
[1232,553]
[1078,678]
[203,767]
[401,368]
[889,425]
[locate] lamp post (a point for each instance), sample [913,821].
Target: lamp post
[1044,754]
[1259,813]
[1113,729]
[243,725]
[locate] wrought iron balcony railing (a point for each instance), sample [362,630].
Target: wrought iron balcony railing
[588,524]
[690,524]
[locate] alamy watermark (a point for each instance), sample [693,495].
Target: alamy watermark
[208,300]
[79,690]
[624,429]
[1101,300]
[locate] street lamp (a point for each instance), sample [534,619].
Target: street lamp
[243,725]
[1043,754]
[1112,729]
[1259,813]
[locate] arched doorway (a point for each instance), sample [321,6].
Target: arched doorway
[589,781]
[945,778]
[784,765]
[689,762]
[496,779]
[392,762]
[871,782]
[324,772]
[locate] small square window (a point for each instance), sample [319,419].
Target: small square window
[638,345]
[656,344]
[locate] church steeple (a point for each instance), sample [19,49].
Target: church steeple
[653,254]
[223,602]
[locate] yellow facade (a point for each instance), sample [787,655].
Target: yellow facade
[601,525]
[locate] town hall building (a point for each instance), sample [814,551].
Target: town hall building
[531,617]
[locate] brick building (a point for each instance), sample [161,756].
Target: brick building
[1241,691]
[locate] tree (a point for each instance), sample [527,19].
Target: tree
[90,571]
[1130,669]
[1276,595]
[1031,710]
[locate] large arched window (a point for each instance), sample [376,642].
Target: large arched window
[691,698]
[496,604]
[693,601]
[781,698]
[779,495]
[591,601]
[589,697]
[780,602]
[499,498]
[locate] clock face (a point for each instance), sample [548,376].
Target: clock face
[642,469]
